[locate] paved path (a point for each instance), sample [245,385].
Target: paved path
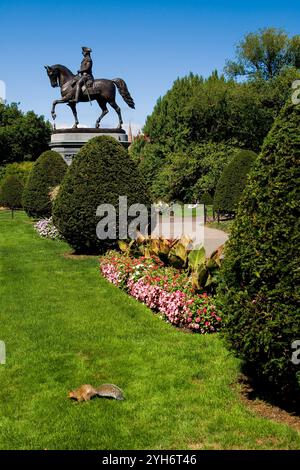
[213,238]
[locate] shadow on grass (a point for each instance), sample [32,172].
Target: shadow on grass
[260,398]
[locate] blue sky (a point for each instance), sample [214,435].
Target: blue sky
[148,44]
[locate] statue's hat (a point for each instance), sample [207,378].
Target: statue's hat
[86,49]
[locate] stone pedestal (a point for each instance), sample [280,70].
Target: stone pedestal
[68,142]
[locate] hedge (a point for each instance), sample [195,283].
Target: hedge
[47,172]
[259,291]
[233,181]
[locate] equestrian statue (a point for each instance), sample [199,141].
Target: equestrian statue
[83,87]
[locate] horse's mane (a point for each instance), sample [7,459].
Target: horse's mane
[62,68]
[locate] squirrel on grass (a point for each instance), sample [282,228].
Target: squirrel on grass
[87,391]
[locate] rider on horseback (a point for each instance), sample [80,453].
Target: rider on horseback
[85,73]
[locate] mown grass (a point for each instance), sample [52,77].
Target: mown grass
[224,225]
[64,325]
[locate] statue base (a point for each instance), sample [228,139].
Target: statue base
[68,142]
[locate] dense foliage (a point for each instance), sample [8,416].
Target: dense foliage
[47,172]
[213,109]
[11,192]
[194,118]
[217,110]
[194,175]
[22,136]
[188,175]
[233,181]
[260,288]
[22,170]
[100,173]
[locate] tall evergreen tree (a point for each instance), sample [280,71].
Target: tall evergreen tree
[47,172]
[11,192]
[260,276]
[233,181]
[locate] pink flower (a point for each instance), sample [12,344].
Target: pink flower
[162,289]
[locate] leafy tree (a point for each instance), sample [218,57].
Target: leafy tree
[22,136]
[47,172]
[233,181]
[275,92]
[228,112]
[137,147]
[259,288]
[22,170]
[100,173]
[11,192]
[152,159]
[212,159]
[265,54]
[189,175]
[169,123]
[218,110]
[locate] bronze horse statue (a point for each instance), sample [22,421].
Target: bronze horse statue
[102,90]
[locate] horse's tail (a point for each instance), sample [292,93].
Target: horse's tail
[123,90]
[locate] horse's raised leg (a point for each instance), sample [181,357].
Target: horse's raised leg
[74,111]
[53,107]
[102,105]
[118,111]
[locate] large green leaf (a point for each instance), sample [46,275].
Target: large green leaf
[197,258]
[180,251]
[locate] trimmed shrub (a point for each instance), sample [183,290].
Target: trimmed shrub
[259,290]
[47,172]
[100,173]
[11,192]
[233,181]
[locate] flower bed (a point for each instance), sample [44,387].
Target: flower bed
[45,228]
[164,290]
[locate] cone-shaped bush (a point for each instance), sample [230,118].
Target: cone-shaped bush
[47,172]
[11,191]
[260,288]
[233,181]
[100,173]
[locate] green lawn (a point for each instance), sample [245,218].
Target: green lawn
[224,225]
[64,325]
